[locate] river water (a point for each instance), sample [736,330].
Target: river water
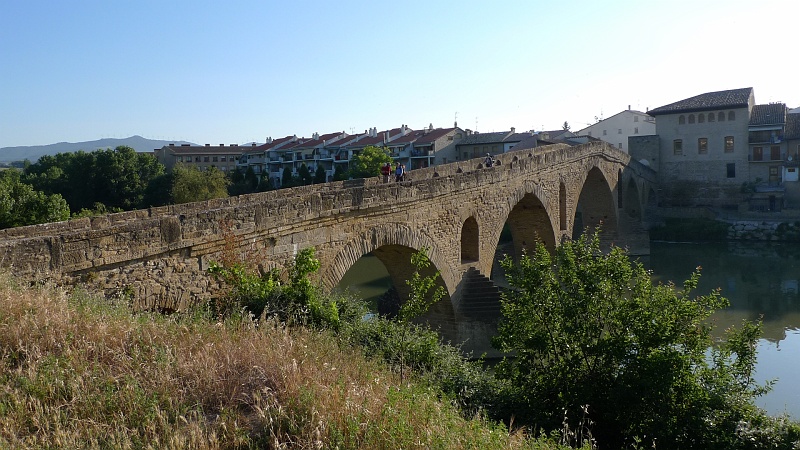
[760,280]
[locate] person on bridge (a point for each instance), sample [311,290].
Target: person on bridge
[386,171]
[399,172]
[488,161]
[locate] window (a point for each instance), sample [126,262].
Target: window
[196,159]
[677,147]
[619,145]
[619,131]
[731,169]
[728,144]
[721,116]
[702,146]
[731,116]
[701,118]
[180,158]
[635,118]
[223,159]
[636,130]
[758,154]
[604,132]
[449,138]
[711,117]
[681,120]
[214,159]
[691,118]
[205,159]
[590,134]
[775,152]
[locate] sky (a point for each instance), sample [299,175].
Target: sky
[241,71]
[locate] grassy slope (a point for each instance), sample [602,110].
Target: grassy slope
[82,373]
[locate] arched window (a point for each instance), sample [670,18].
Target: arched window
[701,118]
[731,115]
[691,118]
[711,117]
[721,116]
[681,120]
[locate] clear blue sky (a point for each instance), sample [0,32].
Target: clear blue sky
[239,71]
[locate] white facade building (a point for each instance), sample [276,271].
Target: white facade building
[616,129]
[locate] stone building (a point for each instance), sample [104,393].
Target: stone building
[721,149]
[703,152]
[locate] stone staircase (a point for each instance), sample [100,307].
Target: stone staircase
[480,297]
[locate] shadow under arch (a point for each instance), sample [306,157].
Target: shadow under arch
[595,206]
[470,241]
[632,200]
[393,244]
[527,223]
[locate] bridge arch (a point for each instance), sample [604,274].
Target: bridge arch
[528,220]
[595,205]
[393,245]
[470,241]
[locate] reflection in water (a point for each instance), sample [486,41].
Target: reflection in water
[760,281]
[367,279]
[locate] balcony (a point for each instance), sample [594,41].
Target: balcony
[766,137]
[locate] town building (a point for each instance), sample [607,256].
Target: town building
[203,157]
[618,128]
[721,149]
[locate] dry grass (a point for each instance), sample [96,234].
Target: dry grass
[82,373]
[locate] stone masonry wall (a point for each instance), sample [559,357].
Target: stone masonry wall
[159,256]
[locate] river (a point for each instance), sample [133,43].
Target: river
[759,279]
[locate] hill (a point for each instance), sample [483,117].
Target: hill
[34,152]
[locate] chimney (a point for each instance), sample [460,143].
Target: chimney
[629,107]
[513,130]
[172,145]
[208,145]
[222,145]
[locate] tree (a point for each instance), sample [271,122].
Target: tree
[189,184]
[565,127]
[304,175]
[368,163]
[288,179]
[320,175]
[420,299]
[116,178]
[21,205]
[339,173]
[594,338]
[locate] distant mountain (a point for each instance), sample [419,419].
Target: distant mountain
[34,152]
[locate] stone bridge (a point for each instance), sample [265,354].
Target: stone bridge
[457,211]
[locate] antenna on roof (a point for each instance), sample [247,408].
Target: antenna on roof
[476,123]
[455,121]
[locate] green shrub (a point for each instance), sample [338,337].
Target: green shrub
[593,336]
